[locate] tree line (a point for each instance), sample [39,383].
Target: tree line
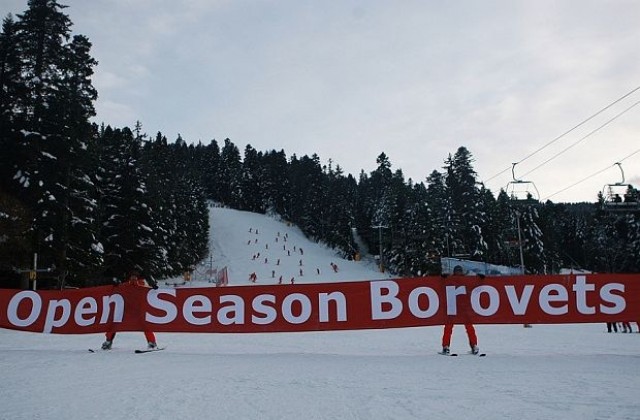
[96,201]
[414,224]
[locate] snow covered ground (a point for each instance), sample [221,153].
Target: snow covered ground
[545,372]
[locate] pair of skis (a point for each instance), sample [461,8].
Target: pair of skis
[138,351]
[467,354]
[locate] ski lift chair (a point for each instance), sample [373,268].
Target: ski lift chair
[620,197]
[522,193]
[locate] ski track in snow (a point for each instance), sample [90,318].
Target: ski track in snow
[545,372]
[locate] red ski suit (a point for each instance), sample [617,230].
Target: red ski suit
[134,281]
[448,328]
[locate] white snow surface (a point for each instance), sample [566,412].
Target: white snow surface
[544,372]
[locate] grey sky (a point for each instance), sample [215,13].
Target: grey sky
[351,79]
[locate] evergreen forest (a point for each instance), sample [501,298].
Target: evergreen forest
[95,201]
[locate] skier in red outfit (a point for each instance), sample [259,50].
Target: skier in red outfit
[135,279]
[448,328]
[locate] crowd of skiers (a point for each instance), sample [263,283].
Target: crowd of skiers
[253,276]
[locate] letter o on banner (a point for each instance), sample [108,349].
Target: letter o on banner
[494,300]
[433,303]
[305,313]
[36,307]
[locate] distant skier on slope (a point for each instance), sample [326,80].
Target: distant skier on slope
[448,328]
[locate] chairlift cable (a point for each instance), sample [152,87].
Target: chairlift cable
[576,183]
[567,132]
[583,138]
[591,176]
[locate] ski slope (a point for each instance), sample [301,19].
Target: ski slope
[545,372]
[272,248]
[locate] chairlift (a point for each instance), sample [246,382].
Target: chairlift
[522,193]
[620,196]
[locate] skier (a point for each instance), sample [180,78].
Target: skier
[135,279]
[448,328]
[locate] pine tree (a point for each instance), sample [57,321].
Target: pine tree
[414,254]
[503,236]
[375,210]
[52,147]
[613,239]
[14,222]
[230,190]
[12,88]
[399,199]
[633,254]
[15,214]
[309,195]
[128,222]
[532,237]
[382,204]
[211,173]
[276,181]
[340,215]
[252,182]
[466,216]
[439,233]
[160,164]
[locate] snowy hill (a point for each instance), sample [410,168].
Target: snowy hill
[275,251]
[545,372]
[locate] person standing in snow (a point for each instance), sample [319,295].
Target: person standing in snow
[448,328]
[135,279]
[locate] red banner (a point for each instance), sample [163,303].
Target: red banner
[409,302]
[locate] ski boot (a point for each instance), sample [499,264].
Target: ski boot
[107,345]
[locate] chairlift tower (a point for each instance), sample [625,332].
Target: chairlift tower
[380,262]
[521,194]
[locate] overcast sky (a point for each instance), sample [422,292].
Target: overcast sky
[351,79]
